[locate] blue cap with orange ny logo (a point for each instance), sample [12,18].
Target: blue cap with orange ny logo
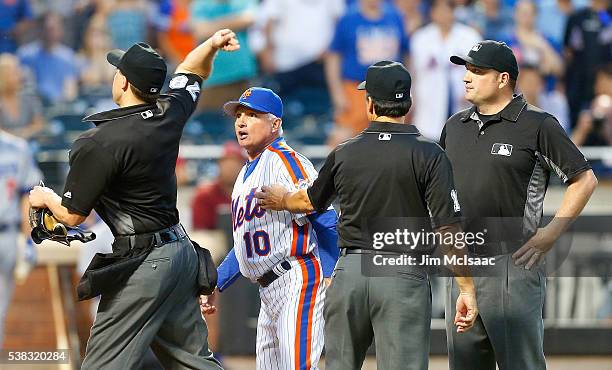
[259,99]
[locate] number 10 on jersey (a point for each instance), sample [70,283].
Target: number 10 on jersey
[260,242]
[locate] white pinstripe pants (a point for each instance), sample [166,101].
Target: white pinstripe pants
[290,324]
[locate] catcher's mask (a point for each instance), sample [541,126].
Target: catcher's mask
[45,226]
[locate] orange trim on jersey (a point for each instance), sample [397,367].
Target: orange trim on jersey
[298,326]
[295,158]
[299,165]
[313,300]
[286,163]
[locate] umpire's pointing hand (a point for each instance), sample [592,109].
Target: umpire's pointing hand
[467,311]
[271,197]
[225,40]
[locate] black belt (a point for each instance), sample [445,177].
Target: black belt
[278,270]
[495,249]
[161,237]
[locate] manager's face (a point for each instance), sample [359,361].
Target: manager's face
[255,130]
[481,84]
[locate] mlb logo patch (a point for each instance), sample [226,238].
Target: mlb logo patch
[476,47]
[384,137]
[502,149]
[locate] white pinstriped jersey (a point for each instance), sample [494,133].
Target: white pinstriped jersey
[263,238]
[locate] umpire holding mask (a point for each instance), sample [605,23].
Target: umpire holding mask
[503,151]
[414,181]
[124,169]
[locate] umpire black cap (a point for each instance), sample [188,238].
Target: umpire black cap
[387,80]
[490,54]
[141,65]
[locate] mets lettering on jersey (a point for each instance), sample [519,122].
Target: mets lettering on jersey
[290,323]
[263,239]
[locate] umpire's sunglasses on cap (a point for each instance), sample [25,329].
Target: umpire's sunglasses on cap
[491,55]
[141,65]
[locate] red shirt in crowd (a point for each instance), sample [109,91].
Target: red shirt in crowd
[206,203]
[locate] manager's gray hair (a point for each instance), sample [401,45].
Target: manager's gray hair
[272,118]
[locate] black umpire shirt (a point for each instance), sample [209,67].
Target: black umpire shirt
[502,166]
[124,167]
[388,170]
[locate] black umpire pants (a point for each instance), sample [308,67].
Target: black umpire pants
[393,310]
[509,330]
[158,308]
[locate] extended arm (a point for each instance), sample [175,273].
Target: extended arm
[466,306]
[576,196]
[277,198]
[199,61]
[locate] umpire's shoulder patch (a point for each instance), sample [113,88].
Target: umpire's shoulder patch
[178,82]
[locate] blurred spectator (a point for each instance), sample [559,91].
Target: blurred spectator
[70,10]
[532,85]
[529,46]
[494,20]
[127,22]
[594,127]
[588,44]
[19,174]
[96,73]
[15,16]
[414,14]
[297,34]
[369,32]
[466,12]
[438,86]
[52,64]
[231,72]
[552,17]
[20,110]
[85,12]
[174,35]
[210,198]
[603,80]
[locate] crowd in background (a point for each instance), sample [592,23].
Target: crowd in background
[314,53]
[53,67]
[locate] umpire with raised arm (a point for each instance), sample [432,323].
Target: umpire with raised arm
[503,151]
[387,171]
[124,169]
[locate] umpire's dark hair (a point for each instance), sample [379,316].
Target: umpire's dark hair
[512,83]
[145,97]
[389,108]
